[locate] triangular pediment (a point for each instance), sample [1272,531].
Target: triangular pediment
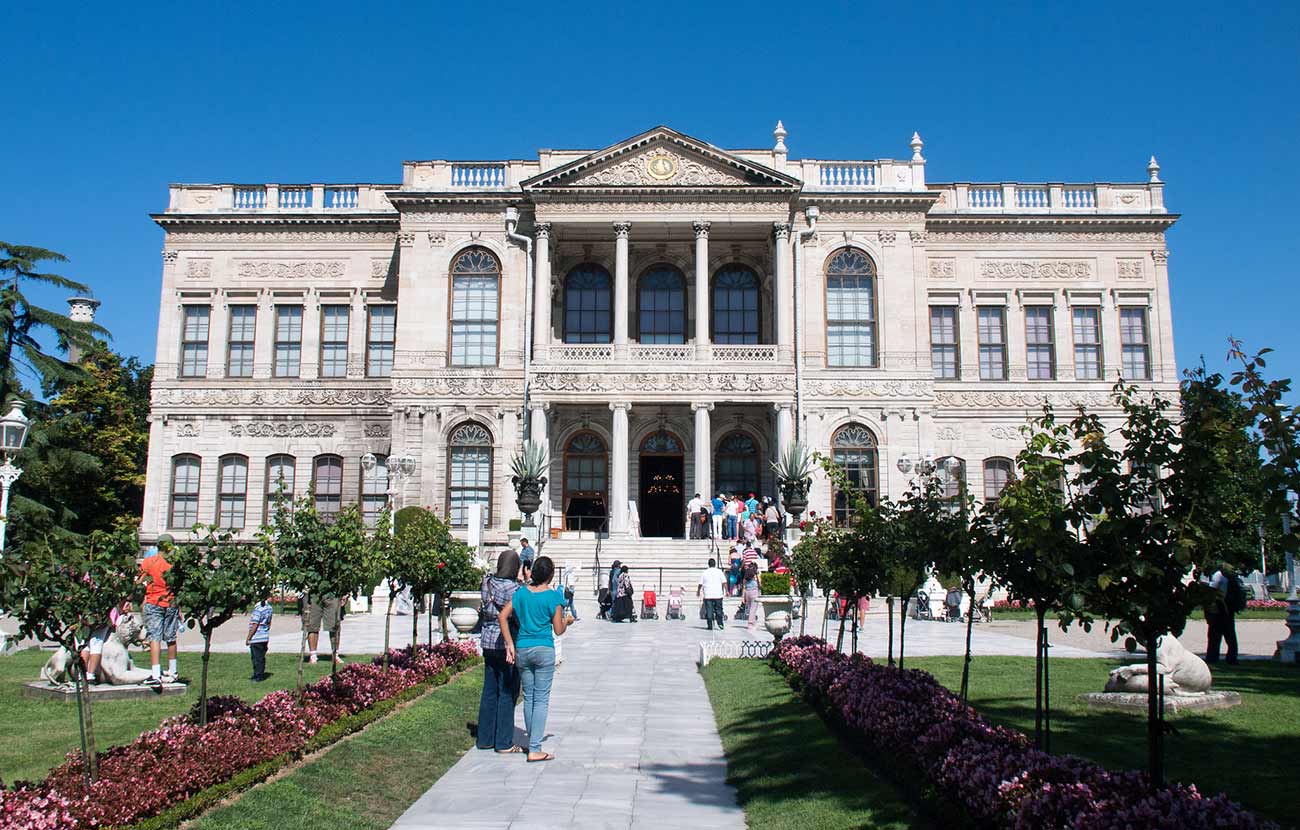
[660,158]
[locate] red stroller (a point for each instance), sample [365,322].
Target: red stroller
[649,604]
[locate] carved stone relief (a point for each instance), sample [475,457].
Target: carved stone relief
[281,236]
[293,396]
[378,430]
[187,429]
[282,429]
[1129,269]
[379,268]
[947,434]
[943,269]
[199,269]
[1046,236]
[1035,269]
[660,166]
[299,269]
[1004,432]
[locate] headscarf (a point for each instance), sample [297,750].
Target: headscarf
[613,577]
[508,565]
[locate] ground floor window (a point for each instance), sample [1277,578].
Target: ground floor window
[737,465]
[469,473]
[854,449]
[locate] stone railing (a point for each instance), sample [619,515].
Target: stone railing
[657,354]
[442,176]
[1021,198]
[283,198]
[744,354]
[579,353]
[883,174]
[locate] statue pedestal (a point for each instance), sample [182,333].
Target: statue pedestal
[44,690]
[1137,701]
[1288,650]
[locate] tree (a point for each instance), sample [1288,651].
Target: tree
[927,525]
[22,323]
[215,578]
[808,564]
[429,559]
[61,592]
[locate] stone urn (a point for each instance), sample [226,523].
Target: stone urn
[794,496]
[777,610]
[464,612]
[528,496]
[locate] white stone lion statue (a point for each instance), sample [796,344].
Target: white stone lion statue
[1184,672]
[115,667]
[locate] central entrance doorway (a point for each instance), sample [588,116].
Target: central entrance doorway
[661,498]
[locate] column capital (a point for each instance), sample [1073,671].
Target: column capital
[701,229]
[622,229]
[783,406]
[615,406]
[539,406]
[781,230]
[1161,257]
[170,256]
[699,405]
[542,230]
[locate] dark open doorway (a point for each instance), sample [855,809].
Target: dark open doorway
[661,503]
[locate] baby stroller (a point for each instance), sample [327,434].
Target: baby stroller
[675,604]
[649,605]
[606,603]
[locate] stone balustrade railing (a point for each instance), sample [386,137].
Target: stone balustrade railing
[658,354]
[879,175]
[1020,198]
[286,198]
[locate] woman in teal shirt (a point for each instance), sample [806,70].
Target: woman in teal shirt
[539,609]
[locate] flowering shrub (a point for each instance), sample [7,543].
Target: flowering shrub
[991,774]
[1266,605]
[180,758]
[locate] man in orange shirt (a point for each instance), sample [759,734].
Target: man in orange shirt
[161,617]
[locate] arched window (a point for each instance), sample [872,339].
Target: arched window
[850,309]
[232,491]
[737,465]
[374,490]
[184,511]
[586,481]
[735,305]
[661,305]
[997,475]
[475,289]
[662,442]
[280,471]
[588,305]
[952,483]
[854,449]
[469,478]
[327,482]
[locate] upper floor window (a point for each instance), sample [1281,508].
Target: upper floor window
[735,305]
[334,322]
[944,348]
[588,305]
[374,490]
[1087,342]
[327,482]
[194,341]
[280,471]
[232,491]
[381,338]
[475,285]
[469,477]
[288,341]
[854,450]
[997,475]
[1135,343]
[850,309]
[184,510]
[661,306]
[993,342]
[738,465]
[1040,345]
[239,343]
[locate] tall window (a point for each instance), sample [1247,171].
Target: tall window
[334,340]
[280,471]
[1087,342]
[381,335]
[374,490]
[475,284]
[993,342]
[232,491]
[588,305]
[944,350]
[1135,343]
[194,341]
[239,344]
[997,475]
[288,341]
[850,310]
[184,512]
[469,462]
[737,465]
[853,448]
[661,306]
[586,481]
[1040,346]
[953,484]
[735,305]
[327,481]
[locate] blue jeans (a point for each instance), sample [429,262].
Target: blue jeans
[731,526]
[536,671]
[569,604]
[496,706]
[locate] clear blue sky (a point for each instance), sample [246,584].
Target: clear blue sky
[102,108]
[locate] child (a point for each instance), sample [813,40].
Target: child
[259,636]
[161,616]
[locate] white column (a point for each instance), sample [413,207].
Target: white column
[621,231]
[618,469]
[701,290]
[542,292]
[783,296]
[537,429]
[784,425]
[703,450]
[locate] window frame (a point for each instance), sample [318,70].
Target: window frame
[871,275]
[735,267]
[287,344]
[1095,311]
[756,473]
[347,333]
[985,347]
[173,493]
[840,515]
[234,497]
[991,463]
[652,271]
[1050,344]
[565,330]
[453,275]
[370,518]
[319,499]
[247,346]
[202,347]
[269,492]
[1145,345]
[372,343]
[955,345]
[490,447]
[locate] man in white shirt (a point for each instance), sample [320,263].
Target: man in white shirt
[712,587]
[693,517]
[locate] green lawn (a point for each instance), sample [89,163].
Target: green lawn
[35,735]
[1239,751]
[789,772]
[368,781]
[1279,615]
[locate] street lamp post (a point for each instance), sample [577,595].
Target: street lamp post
[13,434]
[398,467]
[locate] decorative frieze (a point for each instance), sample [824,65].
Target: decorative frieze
[379,268]
[830,214]
[707,208]
[1004,432]
[887,237]
[666,382]
[660,167]
[857,388]
[380,430]
[1022,400]
[1047,236]
[1128,269]
[188,429]
[281,236]
[289,269]
[1035,269]
[198,269]
[291,396]
[947,433]
[943,269]
[282,429]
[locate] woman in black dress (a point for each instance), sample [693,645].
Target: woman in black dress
[623,608]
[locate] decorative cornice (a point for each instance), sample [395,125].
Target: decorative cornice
[1095,223]
[275,396]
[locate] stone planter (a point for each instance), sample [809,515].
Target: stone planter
[464,612]
[528,496]
[794,497]
[777,610]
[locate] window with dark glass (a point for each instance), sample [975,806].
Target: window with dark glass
[993,342]
[327,481]
[1040,346]
[661,306]
[381,337]
[1087,342]
[952,483]
[194,341]
[944,353]
[735,305]
[232,491]
[588,305]
[475,282]
[469,476]
[280,470]
[850,310]
[737,465]
[374,490]
[854,450]
[288,341]
[334,321]
[184,512]
[239,343]
[1135,343]
[997,475]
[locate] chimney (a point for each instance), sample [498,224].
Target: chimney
[80,310]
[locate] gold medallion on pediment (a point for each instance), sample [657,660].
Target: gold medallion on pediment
[660,166]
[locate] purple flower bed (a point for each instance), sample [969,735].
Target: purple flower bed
[180,759]
[990,774]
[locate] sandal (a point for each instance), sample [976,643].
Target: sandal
[546,756]
[511,751]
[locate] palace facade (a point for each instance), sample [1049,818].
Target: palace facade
[663,314]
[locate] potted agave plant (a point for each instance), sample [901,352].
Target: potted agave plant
[529,468]
[793,468]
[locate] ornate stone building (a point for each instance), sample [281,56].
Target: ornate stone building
[663,313]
